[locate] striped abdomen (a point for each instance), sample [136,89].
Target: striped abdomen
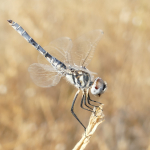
[54,62]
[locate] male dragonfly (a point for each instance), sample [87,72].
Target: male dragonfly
[69,60]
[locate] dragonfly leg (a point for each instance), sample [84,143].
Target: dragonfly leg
[83,99]
[72,111]
[89,100]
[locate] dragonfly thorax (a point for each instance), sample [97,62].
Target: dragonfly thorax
[79,78]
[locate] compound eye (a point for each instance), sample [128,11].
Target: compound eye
[99,83]
[98,87]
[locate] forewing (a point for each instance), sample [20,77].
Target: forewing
[83,48]
[44,75]
[60,49]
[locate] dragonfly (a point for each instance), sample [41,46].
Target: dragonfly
[68,59]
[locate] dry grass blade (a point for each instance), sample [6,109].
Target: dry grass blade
[94,121]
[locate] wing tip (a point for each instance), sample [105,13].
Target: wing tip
[99,31]
[102,32]
[69,38]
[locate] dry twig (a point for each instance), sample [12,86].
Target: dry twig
[94,121]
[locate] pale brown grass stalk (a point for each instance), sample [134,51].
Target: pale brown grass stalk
[94,121]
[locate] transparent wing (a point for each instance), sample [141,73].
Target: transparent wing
[44,75]
[42,60]
[83,48]
[60,49]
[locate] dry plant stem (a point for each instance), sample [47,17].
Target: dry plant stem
[94,121]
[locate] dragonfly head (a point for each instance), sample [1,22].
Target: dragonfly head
[99,86]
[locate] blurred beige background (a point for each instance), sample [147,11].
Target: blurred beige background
[35,118]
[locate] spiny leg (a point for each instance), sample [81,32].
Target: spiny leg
[72,111]
[82,104]
[85,98]
[89,99]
